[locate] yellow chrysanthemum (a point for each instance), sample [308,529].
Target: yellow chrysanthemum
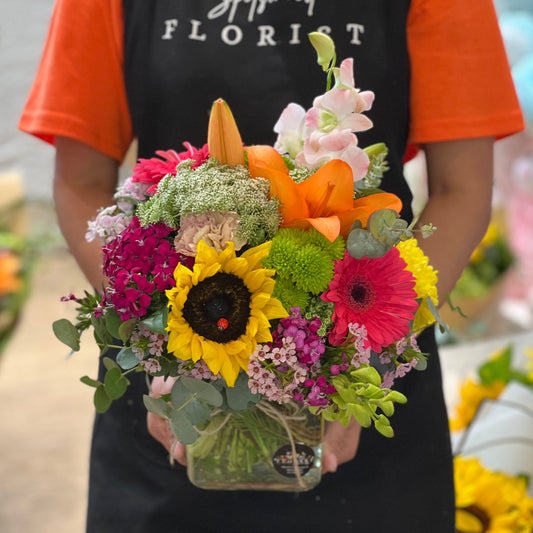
[426,281]
[472,394]
[221,309]
[490,502]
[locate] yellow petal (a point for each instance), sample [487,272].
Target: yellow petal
[223,137]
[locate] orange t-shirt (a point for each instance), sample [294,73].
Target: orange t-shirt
[461,85]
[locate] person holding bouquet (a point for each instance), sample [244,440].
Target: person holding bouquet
[117,70]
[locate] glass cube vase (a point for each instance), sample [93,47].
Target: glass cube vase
[256,450]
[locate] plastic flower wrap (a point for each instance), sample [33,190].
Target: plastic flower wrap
[262,276]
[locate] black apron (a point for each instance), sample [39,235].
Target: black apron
[179,57]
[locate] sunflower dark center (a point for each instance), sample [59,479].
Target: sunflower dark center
[218,308]
[362,295]
[480,514]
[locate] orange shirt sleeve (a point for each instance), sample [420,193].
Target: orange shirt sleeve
[461,85]
[79,88]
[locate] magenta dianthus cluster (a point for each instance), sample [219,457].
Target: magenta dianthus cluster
[139,262]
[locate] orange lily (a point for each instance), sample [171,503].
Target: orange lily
[223,137]
[323,201]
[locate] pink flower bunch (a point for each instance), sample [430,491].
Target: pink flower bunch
[138,263]
[327,130]
[154,169]
[287,368]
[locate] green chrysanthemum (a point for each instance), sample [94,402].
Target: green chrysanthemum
[289,295]
[305,258]
[426,281]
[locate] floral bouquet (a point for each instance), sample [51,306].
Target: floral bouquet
[276,286]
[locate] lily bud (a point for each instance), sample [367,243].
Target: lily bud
[223,137]
[325,49]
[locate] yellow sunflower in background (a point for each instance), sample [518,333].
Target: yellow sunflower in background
[490,502]
[221,309]
[426,281]
[472,394]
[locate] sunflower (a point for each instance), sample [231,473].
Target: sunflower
[377,293]
[490,502]
[426,281]
[472,395]
[221,309]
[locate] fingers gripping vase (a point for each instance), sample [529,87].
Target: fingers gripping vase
[268,447]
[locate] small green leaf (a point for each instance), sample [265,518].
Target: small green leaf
[112,323]
[361,243]
[115,384]
[126,329]
[360,413]
[109,363]
[497,369]
[204,391]
[67,333]
[102,401]
[158,321]
[240,397]
[100,331]
[182,428]
[89,381]
[157,406]
[127,359]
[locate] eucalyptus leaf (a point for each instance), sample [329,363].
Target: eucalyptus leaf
[127,359]
[239,397]
[112,323]
[102,401]
[109,363]
[182,428]
[115,384]
[361,243]
[158,321]
[67,333]
[126,329]
[89,381]
[204,391]
[101,332]
[157,406]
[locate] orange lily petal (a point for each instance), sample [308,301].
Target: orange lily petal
[223,137]
[329,190]
[328,226]
[364,207]
[264,156]
[283,187]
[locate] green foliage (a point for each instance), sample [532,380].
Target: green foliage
[384,230]
[359,394]
[191,404]
[67,333]
[114,386]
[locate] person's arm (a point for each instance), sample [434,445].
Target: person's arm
[460,182]
[84,181]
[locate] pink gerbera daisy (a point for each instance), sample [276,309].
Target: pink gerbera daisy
[155,169]
[377,293]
